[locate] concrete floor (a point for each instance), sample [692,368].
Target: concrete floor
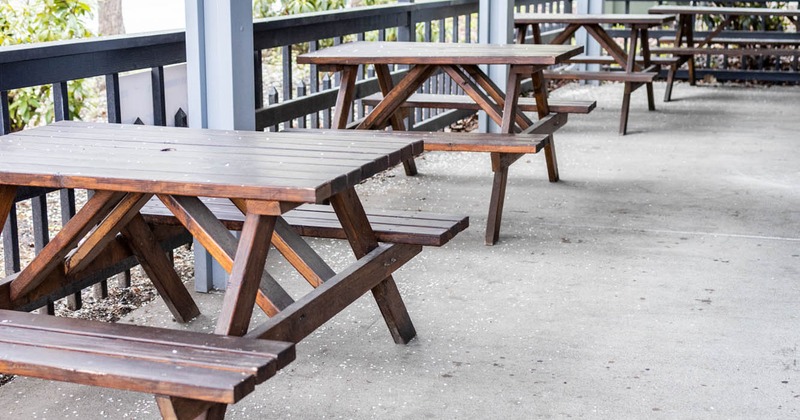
[659,279]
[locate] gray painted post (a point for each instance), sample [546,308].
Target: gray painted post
[592,48]
[495,26]
[220,88]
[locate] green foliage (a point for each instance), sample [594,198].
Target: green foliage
[268,8]
[752,23]
[30,21]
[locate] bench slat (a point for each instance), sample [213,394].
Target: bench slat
[725,51]
[262,366]
[445,101]
[283,352]
[159,361]
[486,142]
[129,375]
[742,41]
[612,76]
[607,59]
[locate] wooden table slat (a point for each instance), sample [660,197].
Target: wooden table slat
[366,52]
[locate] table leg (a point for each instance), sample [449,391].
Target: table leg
[629,86]
[362,240]
[184,408]
[543,108]
[344,100]
[243,283]
[160,269]
[387,84]
[644,40]
[689,32]
[386,109]
[222,245]
[8,193]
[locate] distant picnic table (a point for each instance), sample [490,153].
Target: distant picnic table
[262,179]
[461,61]
[685,47]
[636,70]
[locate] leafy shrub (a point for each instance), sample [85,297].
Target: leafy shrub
[30,21]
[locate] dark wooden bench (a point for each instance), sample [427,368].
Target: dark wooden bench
[505,149]
[608,60]
[405,227]
[739,41]
[446,101]
[189,372]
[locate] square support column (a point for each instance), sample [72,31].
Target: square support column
[495,26]
[221,80]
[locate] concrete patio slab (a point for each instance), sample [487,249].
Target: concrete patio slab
[659,279]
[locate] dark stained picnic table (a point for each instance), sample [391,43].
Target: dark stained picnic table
[636,72]
[461,62]
[264,174]
[685,47]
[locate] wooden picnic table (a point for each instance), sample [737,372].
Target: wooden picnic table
[264,174]
[461,62]
[637,70]
[685,47]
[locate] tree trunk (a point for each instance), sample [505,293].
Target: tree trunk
[110,17]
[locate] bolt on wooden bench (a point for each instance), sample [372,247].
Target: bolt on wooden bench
[189,372]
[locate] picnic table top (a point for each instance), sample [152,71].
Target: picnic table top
[583,19]
[296,167]
[711,10]
[437,53]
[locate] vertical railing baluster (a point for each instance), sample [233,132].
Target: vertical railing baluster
[272,99]
[159,97]
[286,66]
[5,118]
[61,101]
[258,73]
[326,113]
[359,105]
[112,98]
[301,91]
[314,81]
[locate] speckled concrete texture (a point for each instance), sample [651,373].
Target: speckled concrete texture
[659,279]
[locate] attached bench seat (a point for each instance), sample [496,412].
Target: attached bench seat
[505,149]
[174,365]
[607,59]
[608,76]
[739,41]
[688,51]
[413,228]
[448,101]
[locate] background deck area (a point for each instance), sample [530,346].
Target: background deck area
[659,279]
